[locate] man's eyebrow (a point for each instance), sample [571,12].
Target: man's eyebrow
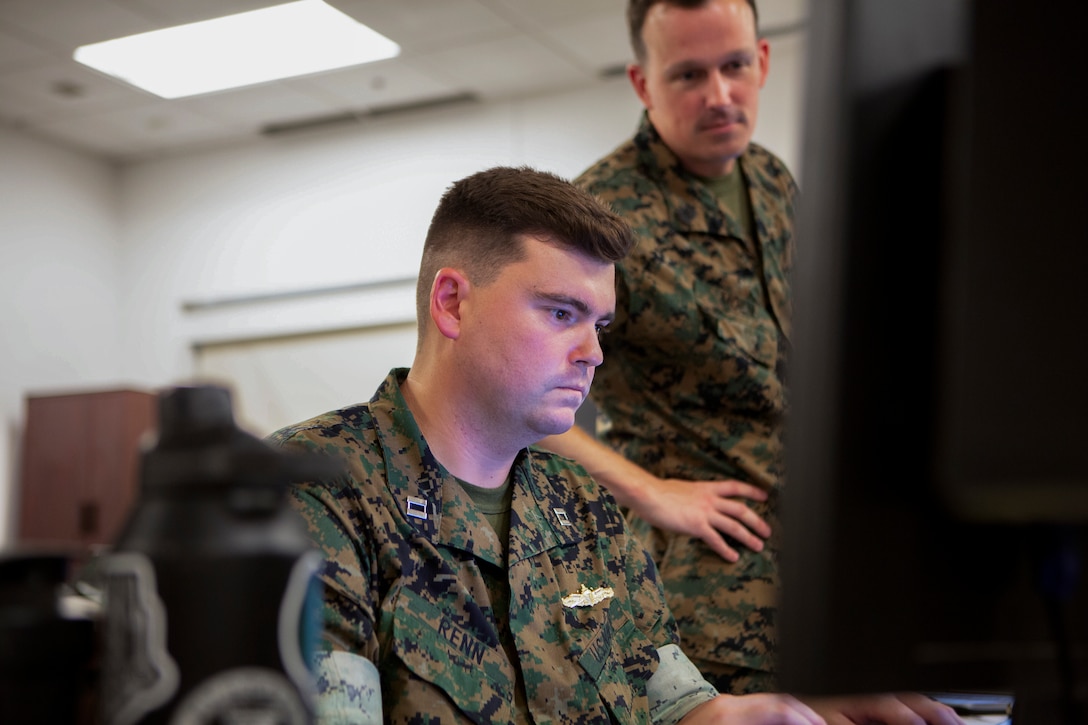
[689,64]
[682,66]
[569,301]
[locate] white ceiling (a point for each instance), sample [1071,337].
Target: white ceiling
[486,49]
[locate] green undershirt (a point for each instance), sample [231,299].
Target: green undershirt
[732,191]
[494,504]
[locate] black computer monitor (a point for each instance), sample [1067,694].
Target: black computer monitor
[935,520]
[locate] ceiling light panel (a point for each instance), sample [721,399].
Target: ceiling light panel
[283,41]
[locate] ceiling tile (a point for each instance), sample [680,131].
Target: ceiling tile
[64,25]
[17,53]
[493,48]
[252,107]
[421,26]
[387,83]
[596,43]
[20,109]
[161,125]
[555,12]
[172,12]
[67,89]
[512,65]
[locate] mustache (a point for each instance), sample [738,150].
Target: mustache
[718,116]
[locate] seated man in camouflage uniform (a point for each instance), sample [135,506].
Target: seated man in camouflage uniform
[468,576]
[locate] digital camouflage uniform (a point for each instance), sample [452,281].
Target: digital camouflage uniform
[692,381]
[411,594]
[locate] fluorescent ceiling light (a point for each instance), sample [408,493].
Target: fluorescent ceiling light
[282,41]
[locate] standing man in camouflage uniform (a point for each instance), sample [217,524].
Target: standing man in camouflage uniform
[469,577]
[693,384]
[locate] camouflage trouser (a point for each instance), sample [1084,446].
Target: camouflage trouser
[736,680]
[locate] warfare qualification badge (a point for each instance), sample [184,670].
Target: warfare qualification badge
[588,597]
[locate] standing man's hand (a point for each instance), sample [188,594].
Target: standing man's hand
[707,510]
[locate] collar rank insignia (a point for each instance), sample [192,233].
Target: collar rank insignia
[417,508]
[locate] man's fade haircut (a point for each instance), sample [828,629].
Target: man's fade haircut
[481,221]
[636,19]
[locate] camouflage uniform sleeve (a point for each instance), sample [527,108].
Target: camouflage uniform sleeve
[348,682]
[348,690]
[676,688]
[648,604]
[347,614]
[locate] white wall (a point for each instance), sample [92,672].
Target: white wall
[59,284]
[282,214]
[320,210]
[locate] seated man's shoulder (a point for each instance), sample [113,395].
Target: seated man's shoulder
[350,422]
[349,441]
[573,486]
[556,464]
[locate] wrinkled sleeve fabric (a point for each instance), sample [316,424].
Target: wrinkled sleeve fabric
[676,687]
[348,683]
[348,690]
[346,576]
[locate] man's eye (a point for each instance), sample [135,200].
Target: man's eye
[561,314]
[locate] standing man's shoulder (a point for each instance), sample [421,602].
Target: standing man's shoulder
[766,169]
[614,172]
[628,180]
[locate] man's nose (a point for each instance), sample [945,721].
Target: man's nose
[589,350]
[719,90]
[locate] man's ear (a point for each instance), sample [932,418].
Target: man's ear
[448,291]
[637,76]
[763,51]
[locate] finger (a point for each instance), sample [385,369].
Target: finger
[810,715]
[739,489]
[935,713]
[837,718]
[745,515]
[884,709]
[730,527]
[715,541]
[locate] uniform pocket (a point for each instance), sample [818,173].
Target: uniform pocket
[614,655]
[468,666]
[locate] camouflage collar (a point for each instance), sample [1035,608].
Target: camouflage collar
[452,519]
[692,206]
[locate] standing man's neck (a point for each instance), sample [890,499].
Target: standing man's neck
[710,169]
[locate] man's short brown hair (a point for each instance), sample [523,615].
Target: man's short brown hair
[482,220]
[636,18]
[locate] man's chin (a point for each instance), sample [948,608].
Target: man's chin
[555,424]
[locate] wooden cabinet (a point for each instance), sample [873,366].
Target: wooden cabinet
[80,465]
